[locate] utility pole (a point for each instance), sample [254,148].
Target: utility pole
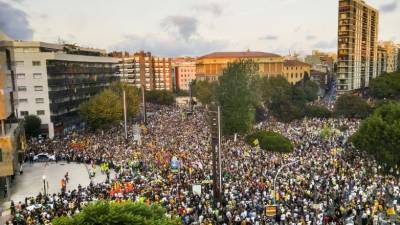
[191,97]
[219,150]
[214,116]
[126,130]
[144,106]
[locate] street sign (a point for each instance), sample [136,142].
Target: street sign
[270,210]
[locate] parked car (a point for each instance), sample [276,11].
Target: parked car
[44,157]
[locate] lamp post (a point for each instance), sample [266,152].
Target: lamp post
[277,174]
[44,185]
[124,101]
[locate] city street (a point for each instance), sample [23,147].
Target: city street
[30,183]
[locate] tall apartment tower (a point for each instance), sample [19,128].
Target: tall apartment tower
[357,45]
[143,69]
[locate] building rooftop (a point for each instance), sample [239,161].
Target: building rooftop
[51,47]
[247,54]
[294,63]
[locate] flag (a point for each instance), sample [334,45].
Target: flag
[256,142]
[390,211]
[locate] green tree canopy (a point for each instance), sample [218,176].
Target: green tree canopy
[109,213]
[161,97]
[270,141]
[204,91]
[132,94]
[285,101]
[385,86]
[32,125]
[379,134]
[317,112]
[102,110]
[310,89]
[237,97]
[351,106]
[106,108]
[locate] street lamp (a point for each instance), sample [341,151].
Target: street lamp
[44,185]
[276,176]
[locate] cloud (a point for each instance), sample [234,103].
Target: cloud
[311,37]
[14,22]
[184,26]
[325,44]
[213,8]
[269,38]
[168,46]
[389,7]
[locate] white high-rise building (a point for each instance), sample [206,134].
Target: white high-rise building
[52,80]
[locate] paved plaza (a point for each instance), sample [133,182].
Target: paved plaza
[30,183]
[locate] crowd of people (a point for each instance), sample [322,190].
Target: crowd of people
[323,181]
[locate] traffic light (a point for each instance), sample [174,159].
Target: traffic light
[213,118]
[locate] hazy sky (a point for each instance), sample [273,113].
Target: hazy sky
[187,27]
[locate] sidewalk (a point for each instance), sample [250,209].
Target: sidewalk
[4,217]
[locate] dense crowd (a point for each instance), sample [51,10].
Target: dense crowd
[325,180]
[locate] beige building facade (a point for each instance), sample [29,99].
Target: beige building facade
[144,69]
[392,53]
[211,66]
[185,72]
[357,45]
[294,70]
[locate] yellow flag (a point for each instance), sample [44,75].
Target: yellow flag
[256,142]
[391,212]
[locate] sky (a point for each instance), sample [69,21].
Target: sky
[187,27]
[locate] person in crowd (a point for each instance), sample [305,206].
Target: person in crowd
[327,181]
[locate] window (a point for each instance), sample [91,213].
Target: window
[35,63]
[38,88]
[22,100]
[1,155]
[39,100]
[24,113]
[37,76]
[40,112]
[21,88]
[20,75]
[19,63]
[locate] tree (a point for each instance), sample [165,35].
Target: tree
[106,108]
[311,90]
[317,112]
[204,91]
[285,102]
[236,96]
[132,94]
[379,134]
[385,86]
[270,141]
[32,124]
[103,110]
[161,97]
[351,106]
[126,213]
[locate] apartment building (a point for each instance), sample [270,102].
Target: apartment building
[294,70]
[185,72]
[143,69]
[320,61]
[11,132]
[52,80]
[382,60]
[357,45]
[392,54]
[211,66]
